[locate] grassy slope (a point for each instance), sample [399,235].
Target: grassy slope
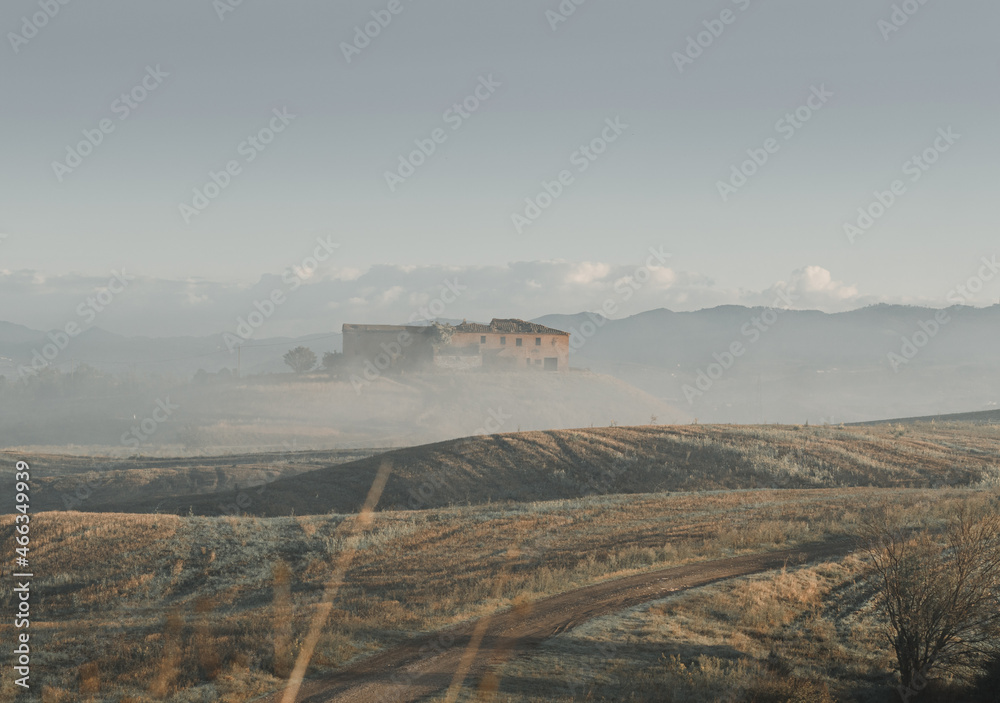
[529,466]
[803,634]
[91,483]
[986,417]
[197,602]
[197,608]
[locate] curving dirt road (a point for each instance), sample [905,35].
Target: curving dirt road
[432,663]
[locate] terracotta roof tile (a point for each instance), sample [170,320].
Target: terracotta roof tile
[496,326]
[510,326]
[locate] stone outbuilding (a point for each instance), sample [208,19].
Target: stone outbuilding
[508,344]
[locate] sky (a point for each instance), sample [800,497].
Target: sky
[531,153]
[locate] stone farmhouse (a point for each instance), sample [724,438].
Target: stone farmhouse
[503,345]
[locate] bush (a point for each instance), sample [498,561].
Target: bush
[301,359]
[937,591]
[789,690]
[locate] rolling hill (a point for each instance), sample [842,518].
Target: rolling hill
[531,466]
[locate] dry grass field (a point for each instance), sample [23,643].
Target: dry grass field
[564,464]
[806,634]
[150,607]
[99,484]
[802,635]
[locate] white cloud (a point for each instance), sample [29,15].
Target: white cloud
[813,287]
[393,294]
[345,274]
[586,272]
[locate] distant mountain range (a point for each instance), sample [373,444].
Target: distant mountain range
[723,364]
[864,336]
[796,366]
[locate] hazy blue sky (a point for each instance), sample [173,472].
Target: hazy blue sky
[656,185]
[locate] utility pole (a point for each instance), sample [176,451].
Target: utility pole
[760,399]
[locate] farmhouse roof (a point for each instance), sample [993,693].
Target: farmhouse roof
[386,328]
[511,326]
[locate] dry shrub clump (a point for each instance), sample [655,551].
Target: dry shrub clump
[764,605]
[787,689]
[196,608]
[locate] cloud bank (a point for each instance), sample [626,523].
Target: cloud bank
[304,299]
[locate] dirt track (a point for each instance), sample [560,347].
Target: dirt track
[428,664]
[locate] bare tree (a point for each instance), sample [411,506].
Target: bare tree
[939,592]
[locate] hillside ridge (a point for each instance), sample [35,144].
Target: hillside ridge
[565,464]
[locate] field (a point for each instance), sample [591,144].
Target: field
[103,484]
[185,607]
[559,464]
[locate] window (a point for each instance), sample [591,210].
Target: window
[538,341]
[503,340]
[482,339]
[517,342]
